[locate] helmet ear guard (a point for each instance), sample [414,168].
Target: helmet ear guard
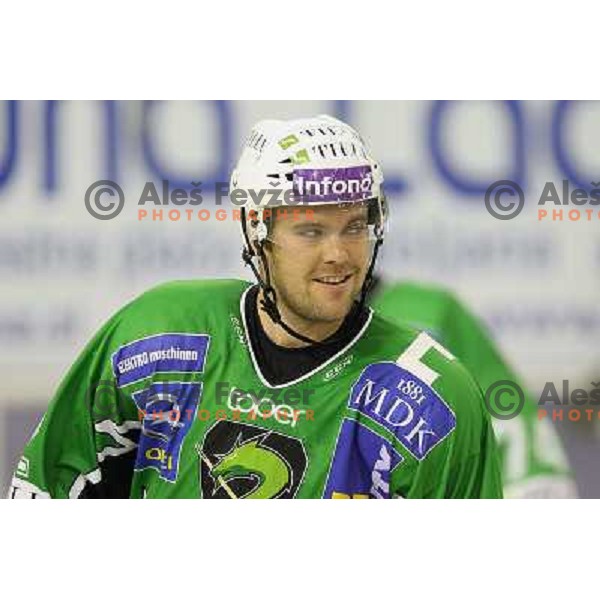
[261,231]
[256,235]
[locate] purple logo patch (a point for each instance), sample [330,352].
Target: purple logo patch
[168,352]
[361,465]
[169,409]
[348,183]
[404,405]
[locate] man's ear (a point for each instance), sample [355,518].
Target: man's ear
[267,246]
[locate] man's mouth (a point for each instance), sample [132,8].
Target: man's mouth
[333,279]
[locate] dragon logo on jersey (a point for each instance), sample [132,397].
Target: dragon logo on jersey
[244,461]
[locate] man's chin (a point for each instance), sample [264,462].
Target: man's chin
[331,314]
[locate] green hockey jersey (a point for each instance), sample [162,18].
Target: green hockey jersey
[533,461]
[168,401]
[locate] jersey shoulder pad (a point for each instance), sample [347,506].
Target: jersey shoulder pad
[388,331]
[191,293]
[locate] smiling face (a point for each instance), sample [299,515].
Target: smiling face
[318,262]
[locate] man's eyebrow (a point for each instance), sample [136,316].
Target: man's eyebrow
[357,219]
[305,224]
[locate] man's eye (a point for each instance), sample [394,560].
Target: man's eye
[311,233]
[358,227]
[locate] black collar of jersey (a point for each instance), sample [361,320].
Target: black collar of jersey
[280,365]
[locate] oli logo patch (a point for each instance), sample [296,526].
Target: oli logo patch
[169,410]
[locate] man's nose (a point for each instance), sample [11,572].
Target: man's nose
[334,249]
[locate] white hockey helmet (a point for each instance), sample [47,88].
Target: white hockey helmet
[311,161]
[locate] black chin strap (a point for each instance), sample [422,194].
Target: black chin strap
[369,279]
[269,300]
